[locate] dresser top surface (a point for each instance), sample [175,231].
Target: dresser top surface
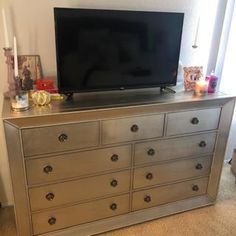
[82,104]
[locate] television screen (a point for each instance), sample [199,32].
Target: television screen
[112,49]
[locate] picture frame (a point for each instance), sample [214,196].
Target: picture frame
[191,75]
[30,69]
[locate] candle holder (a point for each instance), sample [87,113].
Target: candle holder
[10,72]
[18,98]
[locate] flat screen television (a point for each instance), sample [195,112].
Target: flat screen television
[100,50]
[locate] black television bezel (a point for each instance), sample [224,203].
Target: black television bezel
[71,91]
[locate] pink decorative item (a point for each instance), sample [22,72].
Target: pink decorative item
[212,82]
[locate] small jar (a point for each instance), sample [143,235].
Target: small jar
[201,87]
[212,82]
[19,101]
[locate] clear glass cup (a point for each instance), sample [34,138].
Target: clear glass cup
[20,101]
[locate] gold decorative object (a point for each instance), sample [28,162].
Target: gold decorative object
[41,98]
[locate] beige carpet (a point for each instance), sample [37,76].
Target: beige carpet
[217,220]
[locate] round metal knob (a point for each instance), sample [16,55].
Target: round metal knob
[199,166]
[195,188]
[114,183]
[47,169]
[202,144]
[149,176]
[62,138]
[50,196]
[114,158]
[151,152]
[147,199]
[195,121]
[134,128]
[52,221]
[113,206]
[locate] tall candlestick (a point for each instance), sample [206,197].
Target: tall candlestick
[15,59]
[195,43]
[7,45]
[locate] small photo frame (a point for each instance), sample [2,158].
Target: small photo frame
[30,69]
[191,75]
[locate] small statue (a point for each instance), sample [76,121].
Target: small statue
[27,82]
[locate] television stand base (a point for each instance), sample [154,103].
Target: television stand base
[167,90]
[69,96]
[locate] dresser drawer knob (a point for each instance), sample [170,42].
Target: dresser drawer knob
[113,206]
[195,121]
[147,199]
[62,138]
[114,158]
[47,169]
[151,152]
[50,196]
[199,166]
[114,183]
[149,176]
[195,188]
[202,144]
[134,128]
[52,221]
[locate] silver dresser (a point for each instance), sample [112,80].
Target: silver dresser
[85,169]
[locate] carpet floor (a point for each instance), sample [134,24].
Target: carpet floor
[217,220]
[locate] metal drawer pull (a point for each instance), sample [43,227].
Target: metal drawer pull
[114,158]
[195,188]
[134,128]
[52,221]
[151,152]
[62,138]
[195,121]
[198,166]
[47,169]
[202,144]
[50,196]
[114,183]
[113,206]
[149,176]
[147,199]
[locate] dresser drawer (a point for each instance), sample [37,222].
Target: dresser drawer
[77,164]
[79,190]
[134,128]
[173,171]
[170,193]
[192,121]
[174,148]
[78,214]
[58,138]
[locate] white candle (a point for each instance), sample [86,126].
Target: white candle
[7,45]
[15,59]
[196,35]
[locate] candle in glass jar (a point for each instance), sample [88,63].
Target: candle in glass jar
[212,80]
[201,87]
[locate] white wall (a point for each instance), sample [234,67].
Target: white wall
[32,23]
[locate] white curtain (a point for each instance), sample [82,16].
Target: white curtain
[228,82]
[226,65]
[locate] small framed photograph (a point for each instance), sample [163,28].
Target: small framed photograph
[30,69]
[191,75]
